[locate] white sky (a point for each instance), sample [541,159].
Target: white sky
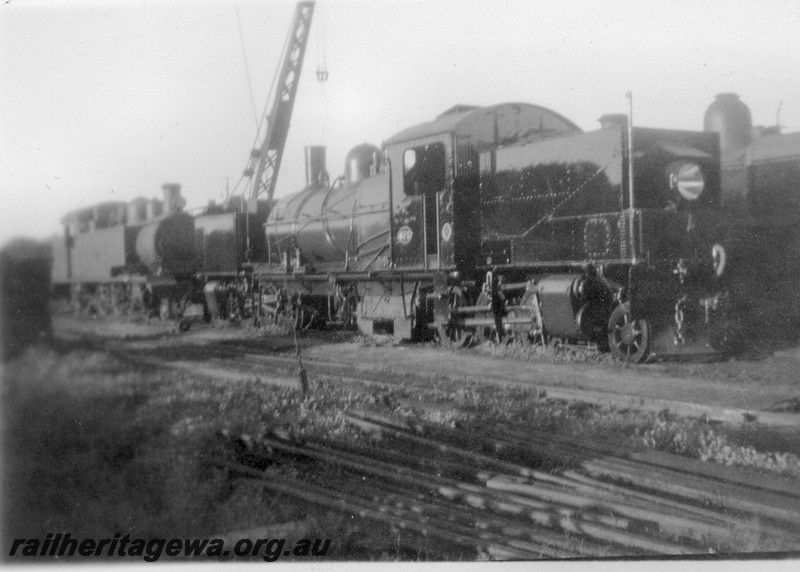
[108,100]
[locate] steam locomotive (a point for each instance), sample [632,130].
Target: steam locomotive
[486,222]
[508,220]
[118,256]
[761,203]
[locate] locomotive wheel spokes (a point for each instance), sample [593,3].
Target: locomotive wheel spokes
[452,333]
[454,336]
[289,318]
[484,334]
[628,338]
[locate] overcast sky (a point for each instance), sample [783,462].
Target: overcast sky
[108,100]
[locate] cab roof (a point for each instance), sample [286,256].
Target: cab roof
[491,126]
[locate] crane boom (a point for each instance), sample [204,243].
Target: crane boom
[267,159]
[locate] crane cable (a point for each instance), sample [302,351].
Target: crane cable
[322,70]
[322,63]
[246,66]
[264,116]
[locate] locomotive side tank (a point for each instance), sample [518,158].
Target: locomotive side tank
[96,246]
[566,199]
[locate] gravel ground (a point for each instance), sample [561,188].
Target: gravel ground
[96,443]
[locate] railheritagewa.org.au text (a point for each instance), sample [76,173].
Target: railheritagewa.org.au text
[64,545]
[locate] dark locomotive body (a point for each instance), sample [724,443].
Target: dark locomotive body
[226,241]
[556,216]
[761,203]
[508,220]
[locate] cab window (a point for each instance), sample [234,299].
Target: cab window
[424,169]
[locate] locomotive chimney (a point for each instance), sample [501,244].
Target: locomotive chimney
[315,165]
[172,197]
[613,120]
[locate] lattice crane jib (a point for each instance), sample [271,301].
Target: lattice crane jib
[268,158]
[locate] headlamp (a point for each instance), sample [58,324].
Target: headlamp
[687,179]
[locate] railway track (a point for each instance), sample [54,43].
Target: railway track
[454,491]
[598,398]
[490,490]
[583,387]
[266,365]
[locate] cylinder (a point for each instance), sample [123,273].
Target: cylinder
[559,305]
[315,165]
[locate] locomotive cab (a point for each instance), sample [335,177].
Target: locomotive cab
[435,193]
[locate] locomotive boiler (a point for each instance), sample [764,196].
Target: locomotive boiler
[509,221]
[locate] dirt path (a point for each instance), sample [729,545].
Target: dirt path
[710,387]
[734,391]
